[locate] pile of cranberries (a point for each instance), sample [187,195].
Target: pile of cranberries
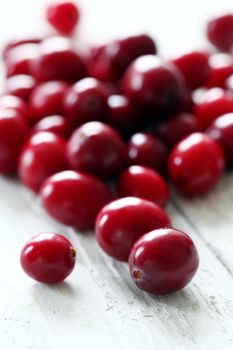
[98,136]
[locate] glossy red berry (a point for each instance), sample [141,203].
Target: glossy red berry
[75,198]
[195,68]
[221,66]
[13,133]
[16,103]
[96,148]
[221,130]
[220,32]
[196,164]
[48,258]
[142,182]
[46,100]
[63,15]
[152,83]
[145,149]
[18,42]
[173,130]
[42,156]
[212,104]
[58,60]
[20,86]
[111,60]
[55,124]
[122,222]
[86,101]
[163,261]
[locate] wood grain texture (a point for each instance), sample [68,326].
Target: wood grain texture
[98,306]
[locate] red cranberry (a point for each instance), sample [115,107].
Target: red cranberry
[221,130]
[46,100]
[122,115]
[63,15]
[58,60]
[142,182]
[195,68]
[163,261]
[174,129]
[221,68]
[75,198]
[196,164]
[145,149]
[55,124]
[13,102]
[214,102]
[96,148]
[42,156]
[18,42]
[86,101]
[151,83]
[48,258]
[13,133]
[122,222]
[20,58]
[220,32]
[110,61]
[20,86]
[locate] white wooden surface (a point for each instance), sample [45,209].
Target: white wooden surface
[98,306]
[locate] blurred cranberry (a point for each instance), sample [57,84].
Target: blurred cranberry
[86,101]
[20,86]
[13,102]
[19,59]
[55,124]
[221,68]
[220,32]
[58,60]
[195,68]
[18,42]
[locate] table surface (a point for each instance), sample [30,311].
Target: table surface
[98,306]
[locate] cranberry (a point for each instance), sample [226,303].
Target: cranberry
[20,86]
[163,261]
[48,258]
[220,32]
[63,15]
[58,60]
[55,124]
[122,222]
[145,149]
[195,68]
[75,198]
[46,100]
[221,130]
[174,129]
[13,133]
[221,68]
[122,115]
[142,182]
[13,102]
[196,164]
[214,102]
[19,59]
[86,101]
[96,148]
[110,61]
[42,156]
[151,83]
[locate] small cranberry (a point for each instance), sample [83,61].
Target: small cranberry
[86,101]
[58,60]
[13,133]
[55,124]
[48,258]
[195,68]
[220,32]
[42,156]
[75,198]
[122,222]
[96,148]
[221,68]
[63,15]
[212,104]
[20,86]
[196,164]
[142,182]
[163,261]
[13,102]
[148,150]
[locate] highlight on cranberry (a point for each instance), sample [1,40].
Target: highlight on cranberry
[102,133]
